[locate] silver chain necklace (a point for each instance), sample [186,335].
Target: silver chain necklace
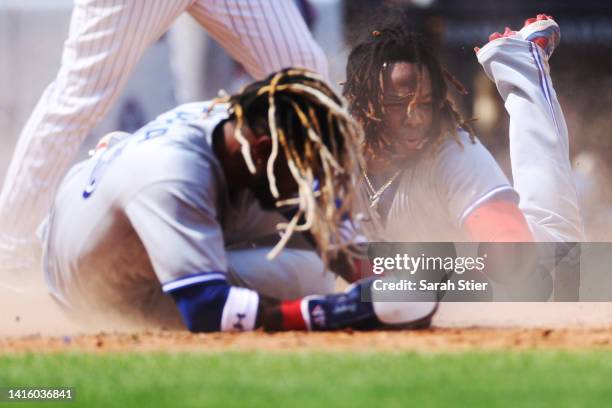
[375,195]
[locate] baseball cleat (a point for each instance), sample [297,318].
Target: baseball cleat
[508,32]
[541,30]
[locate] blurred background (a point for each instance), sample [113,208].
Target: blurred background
[186,65]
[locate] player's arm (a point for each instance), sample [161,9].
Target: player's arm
[346,310]
[478,195]
[350,263]
[176,221]
[177,224]
[214,305]
[504,235]
[218,306]
[497,220]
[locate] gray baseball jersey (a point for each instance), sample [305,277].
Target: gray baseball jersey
[436,192]
[152,208]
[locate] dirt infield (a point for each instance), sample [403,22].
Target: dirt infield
[434,340]
[31,322]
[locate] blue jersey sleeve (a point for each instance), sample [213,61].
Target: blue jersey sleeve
[214,305]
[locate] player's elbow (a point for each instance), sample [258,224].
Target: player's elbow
[497,221]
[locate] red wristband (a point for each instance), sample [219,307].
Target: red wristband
[292,315]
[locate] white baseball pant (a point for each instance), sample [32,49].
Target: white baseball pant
[539,143]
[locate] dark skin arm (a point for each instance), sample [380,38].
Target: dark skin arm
[504,234]
[269,315]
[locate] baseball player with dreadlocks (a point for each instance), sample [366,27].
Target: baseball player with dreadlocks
[428,176]
[106,40]
[181,218]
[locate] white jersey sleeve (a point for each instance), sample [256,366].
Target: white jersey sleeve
[468,176]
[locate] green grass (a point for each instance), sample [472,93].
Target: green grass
[473,379]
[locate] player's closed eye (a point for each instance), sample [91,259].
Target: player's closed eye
[405,99]
[402,106]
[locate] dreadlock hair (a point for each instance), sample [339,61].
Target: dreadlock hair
[321,143]
[364,88]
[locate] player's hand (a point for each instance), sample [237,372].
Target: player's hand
[353,264]
[350,309]
[354,309]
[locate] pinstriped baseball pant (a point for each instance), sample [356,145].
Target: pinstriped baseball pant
[106,40]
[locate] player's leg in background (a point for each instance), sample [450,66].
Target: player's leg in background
[539,150]
[264,36]
[539,144]
[106,39]
[292,274]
